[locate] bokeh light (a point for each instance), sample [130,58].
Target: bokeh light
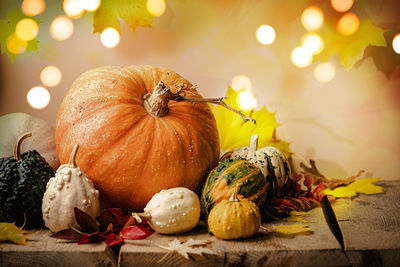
[312,18]
[396,43]
[33,7]
[110,37]
[324,72]
[265,34]
[313,42]
[27,29]
[348,24]
[91,5]
[16,45]
[246,101]
[301,56]
[50,76]
[156,7]
[240,82]
[342,5]
[74,8]
[38,97]
[61,28]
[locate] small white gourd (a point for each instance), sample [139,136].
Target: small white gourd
[172,211]
[270,160]
[69,188]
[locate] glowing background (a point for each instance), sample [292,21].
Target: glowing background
[349,123]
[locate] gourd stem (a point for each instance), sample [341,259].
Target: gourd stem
[144,216]
[72,157]
[17,146]
[234,197]
[156,103]
[254,142]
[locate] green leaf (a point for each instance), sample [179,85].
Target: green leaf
[350,48]
[134,12]
[234,133]
[9,232]
[7,28]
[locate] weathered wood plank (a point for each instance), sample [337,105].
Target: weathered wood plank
[42,250]
[371,227]
[317,249]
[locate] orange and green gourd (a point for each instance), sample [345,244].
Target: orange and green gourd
[223,179]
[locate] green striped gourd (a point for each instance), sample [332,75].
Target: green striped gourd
[270,160]
[222,180]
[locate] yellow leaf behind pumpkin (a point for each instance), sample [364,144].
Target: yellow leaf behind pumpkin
[234,133]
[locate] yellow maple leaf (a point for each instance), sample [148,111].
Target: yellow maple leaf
[362,186]
[234,133]
[290,229]
[296,216]
[9,232]
[342,191]
[350,48]
[366,186]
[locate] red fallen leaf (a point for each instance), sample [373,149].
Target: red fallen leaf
[85,221]
[308,181]
[84,239]
[64,234]
[113,239]
[135,232]
[114,216]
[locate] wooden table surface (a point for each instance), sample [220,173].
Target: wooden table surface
[370,226]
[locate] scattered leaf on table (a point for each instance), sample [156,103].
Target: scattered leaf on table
[363,186]
[350,48]
[342,191]
[135,232]
[189,247]
[234,133]
[9,232]
[85,221]
[133,12]
[366,186]
[7,29]
[290,229]
[296,216]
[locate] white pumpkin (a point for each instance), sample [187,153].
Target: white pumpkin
[172,211]
[270,160]
[69,188]
[13,125]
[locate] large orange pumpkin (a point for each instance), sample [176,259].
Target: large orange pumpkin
[133,141]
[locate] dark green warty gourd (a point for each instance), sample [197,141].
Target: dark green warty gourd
[23,179]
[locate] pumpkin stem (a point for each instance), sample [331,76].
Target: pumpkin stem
[139,217]
[234,197]
[72,157]
[254,142]
[156,103]
[17,146]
